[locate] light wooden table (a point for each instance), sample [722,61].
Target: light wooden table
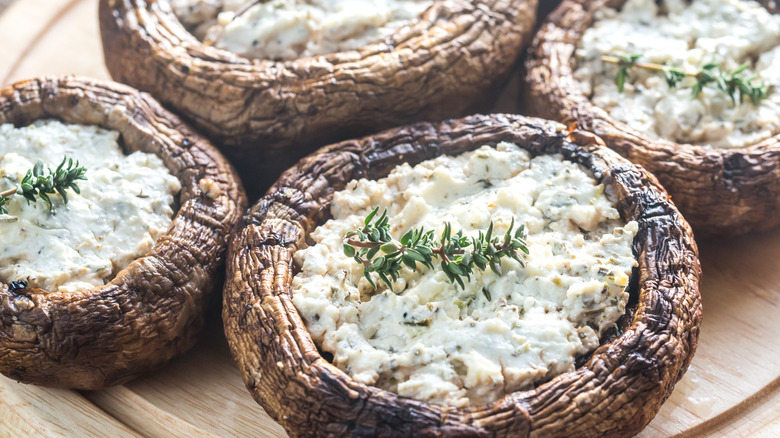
[731,390]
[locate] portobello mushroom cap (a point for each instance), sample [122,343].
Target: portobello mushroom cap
[154,308]
[265,115]
[616,392]
[720,191]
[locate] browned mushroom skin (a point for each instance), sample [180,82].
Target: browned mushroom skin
[615,393]
[545,7]
[265,115]
[155,308]
[720,191]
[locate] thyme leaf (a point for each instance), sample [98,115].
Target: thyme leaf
[40,184]
[736,84]
[459,255]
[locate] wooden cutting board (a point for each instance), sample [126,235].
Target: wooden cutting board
[732,388]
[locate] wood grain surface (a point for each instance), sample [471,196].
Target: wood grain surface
[731,390]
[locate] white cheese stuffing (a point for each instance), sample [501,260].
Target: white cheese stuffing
[124,206]
[688,36]
[435,342]
[289,29]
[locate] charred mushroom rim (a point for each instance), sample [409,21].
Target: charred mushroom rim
[153,309]
[615,392]
[720,191]
[265,114]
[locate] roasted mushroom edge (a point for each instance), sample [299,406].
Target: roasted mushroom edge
[154,308]
[720,191]
[265,115]
[615,393]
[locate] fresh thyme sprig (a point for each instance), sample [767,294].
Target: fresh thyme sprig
[38,184]
[459,254]
[734,83]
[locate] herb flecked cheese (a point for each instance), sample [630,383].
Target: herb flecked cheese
[124,206]
[289,29]
[438,343]
[686,35]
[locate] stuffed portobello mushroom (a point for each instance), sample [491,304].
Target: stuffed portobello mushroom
[687,89]
[270,81]
[115,217]
[493,275]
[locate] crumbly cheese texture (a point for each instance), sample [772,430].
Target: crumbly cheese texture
[433,341]
[124,206]
[289,29]
[688,36]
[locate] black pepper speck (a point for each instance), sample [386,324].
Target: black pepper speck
[17,285]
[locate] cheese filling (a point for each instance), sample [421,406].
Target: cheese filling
[435,342]
[688,36]
[289,29]
[124,206]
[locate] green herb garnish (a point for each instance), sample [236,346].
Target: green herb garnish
[38,183]
[374,248]
[735,83]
